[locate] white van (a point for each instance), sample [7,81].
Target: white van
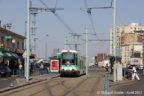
[104,62]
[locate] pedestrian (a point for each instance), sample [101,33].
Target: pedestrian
[141,69]
[20,70]
[134,73]
[41,69]
[106,67]
[20,67]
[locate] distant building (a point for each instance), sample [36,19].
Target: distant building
[100,57]
[128,42]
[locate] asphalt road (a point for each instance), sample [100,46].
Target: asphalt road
[65,86]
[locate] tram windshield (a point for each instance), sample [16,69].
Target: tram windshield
[68,59]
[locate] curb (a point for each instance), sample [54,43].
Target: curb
[19,86]
[26,84]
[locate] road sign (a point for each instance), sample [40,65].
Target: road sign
[54,66]
[8,37]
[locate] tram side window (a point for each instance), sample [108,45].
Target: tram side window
[76,59]
[80,64]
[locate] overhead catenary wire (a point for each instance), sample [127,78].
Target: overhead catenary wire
[89,15]
[58,17]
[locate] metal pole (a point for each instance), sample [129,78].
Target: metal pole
[115,38]
[46,47]
[35,45]
[143,47]
[25,47]
[28,41]
[86,51]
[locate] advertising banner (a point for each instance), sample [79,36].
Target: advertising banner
[135,61]
[54,66]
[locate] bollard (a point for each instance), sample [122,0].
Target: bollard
[11,84]
[33,80]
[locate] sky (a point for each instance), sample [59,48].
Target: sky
[14,11]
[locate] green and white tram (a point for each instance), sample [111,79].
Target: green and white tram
[71,63]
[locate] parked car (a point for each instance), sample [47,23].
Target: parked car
[5,71]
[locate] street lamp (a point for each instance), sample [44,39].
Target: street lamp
[46,46]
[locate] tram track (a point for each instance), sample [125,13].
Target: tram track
[48,89]
[19,89]
[73,88]
[95,86]
[75,94]
[63,86]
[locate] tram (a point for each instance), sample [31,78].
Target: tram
[71,63]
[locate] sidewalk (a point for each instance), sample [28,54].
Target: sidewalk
[118,83]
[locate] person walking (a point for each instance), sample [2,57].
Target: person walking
[135,73]
[20,70]
[41,68]
[107,67]
[141,69]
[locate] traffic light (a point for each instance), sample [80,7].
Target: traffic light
[112,59]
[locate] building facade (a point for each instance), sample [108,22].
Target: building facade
[11,41]
[128,41]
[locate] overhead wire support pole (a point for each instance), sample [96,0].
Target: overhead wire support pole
[115,38]
[28,41]
[46,47]
[76,37]
[86,51]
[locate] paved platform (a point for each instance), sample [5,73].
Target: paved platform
[120,82]
[126,87]
[19,82]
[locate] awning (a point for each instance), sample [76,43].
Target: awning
[6,55]
[15,56]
